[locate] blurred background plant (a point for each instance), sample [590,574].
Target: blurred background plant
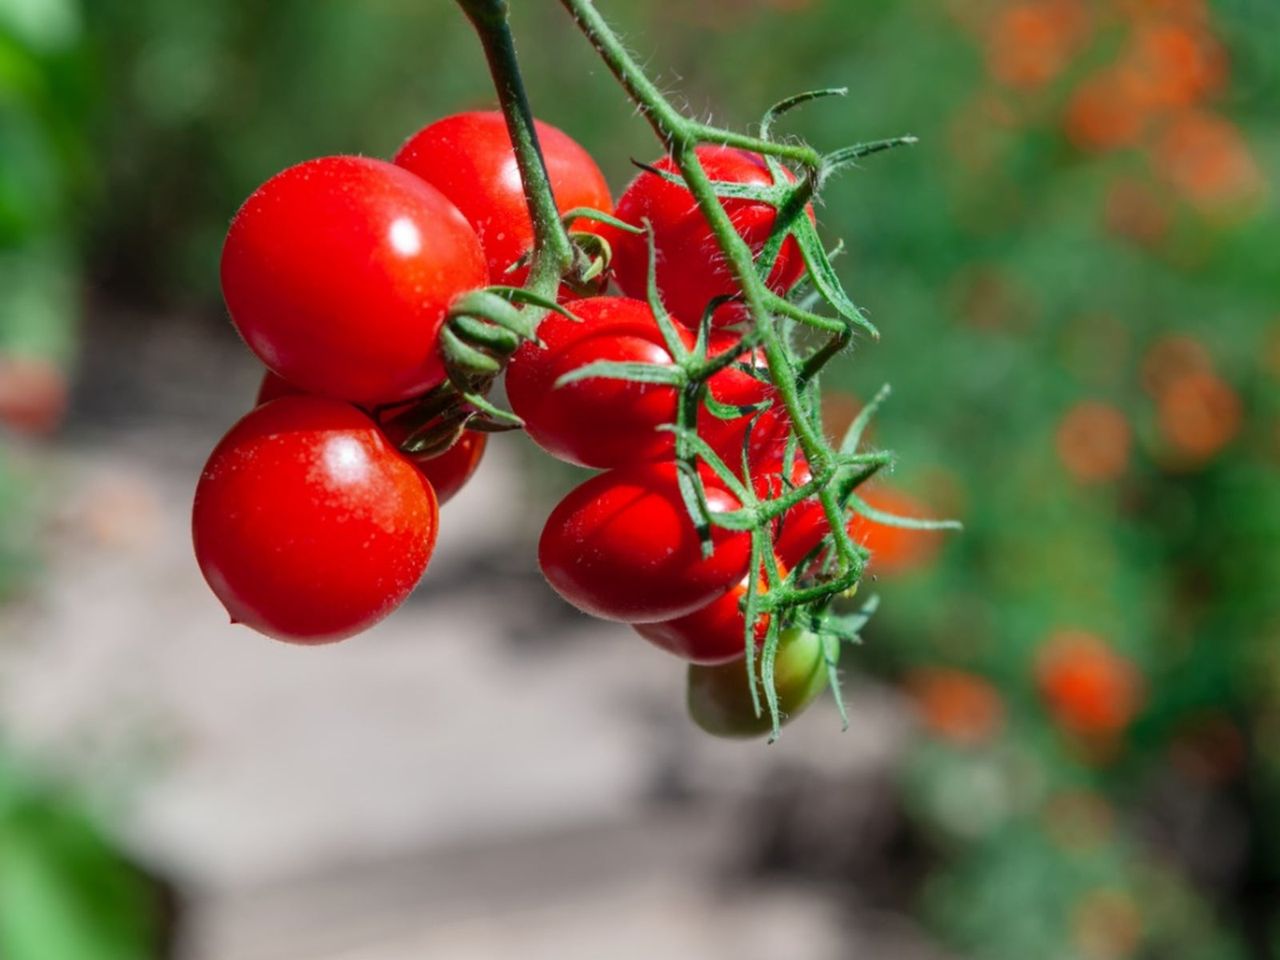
[1077,277]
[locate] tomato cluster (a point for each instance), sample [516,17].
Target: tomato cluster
[316,515]
[312,519]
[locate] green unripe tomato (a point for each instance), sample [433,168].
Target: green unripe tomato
[719,697]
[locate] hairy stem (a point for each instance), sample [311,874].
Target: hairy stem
[682,136]
[552,250]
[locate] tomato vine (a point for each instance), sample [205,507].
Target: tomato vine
[487,327]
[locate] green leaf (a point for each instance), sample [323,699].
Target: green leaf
[65,894]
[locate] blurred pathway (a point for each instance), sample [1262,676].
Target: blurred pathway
[487,772]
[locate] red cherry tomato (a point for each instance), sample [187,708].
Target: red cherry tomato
[604,422]
[894,550]
[621,547]
[448,472]
[338,273]
[598,422]
[768,430]
[719,697]
[307,524]
[468,157]
[691,270]
[712,634]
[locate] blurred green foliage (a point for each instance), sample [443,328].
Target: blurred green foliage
[63,891]
[44,97]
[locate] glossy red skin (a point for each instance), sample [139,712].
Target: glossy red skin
[338,273]
[621,547]
[449,472]
[737,388]
[273,387]
[710,635]
[894,550]
[609,423]
[468,157]
[691,270]
[307,524]
[597,422]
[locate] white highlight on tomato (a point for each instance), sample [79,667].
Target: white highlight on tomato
[405,237]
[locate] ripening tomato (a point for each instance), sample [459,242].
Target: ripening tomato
[894,550]
[716,633]
[719,697]
[603,422]
[468,157]
[307,524]
[621,546]
[691,269]
[338,273]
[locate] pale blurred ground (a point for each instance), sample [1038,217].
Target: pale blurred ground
[485,775]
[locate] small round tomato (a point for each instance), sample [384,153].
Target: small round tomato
[447,472]
[598,422]
[719,697]
[716,633]
[338,273]
[308,525]
[468,157]
[621,547]
[603,422]
[691,270]
[738,388]
[894,550]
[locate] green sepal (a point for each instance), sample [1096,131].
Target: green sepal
[588,213]
[796,100]
[893,520]
[492,412]
[853,436]
[846,156]
[463,361]
[824,277]
[634,371]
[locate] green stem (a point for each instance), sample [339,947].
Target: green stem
[682,137]
[552,250]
